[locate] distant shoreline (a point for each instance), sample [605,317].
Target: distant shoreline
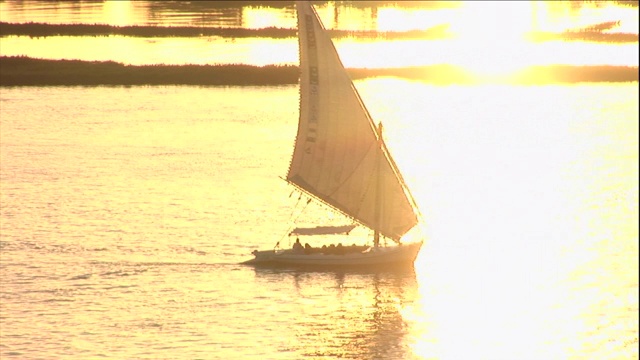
[25,71]
[593,33]
[33,29]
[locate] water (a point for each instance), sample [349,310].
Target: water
[126,210]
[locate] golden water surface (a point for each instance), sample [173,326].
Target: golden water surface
[126,210]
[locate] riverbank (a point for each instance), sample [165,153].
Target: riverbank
[33,29]
[25,71]
[593,33]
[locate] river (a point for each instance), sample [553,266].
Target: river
[125,212]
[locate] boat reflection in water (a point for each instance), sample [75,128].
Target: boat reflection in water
[344,314]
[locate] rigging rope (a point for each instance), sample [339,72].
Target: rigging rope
[292,222]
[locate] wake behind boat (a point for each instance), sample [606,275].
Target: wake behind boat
[340,160]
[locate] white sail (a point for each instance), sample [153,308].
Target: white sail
[339,157]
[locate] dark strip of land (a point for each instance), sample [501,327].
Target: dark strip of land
[24,71]
[44,30]
[533,75]
[594,36]
[28,71]
[592,33]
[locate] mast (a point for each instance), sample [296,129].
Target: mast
[379,194]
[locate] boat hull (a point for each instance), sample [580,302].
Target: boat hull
[383,257]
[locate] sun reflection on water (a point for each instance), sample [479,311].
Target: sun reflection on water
[518,185]
[263,17]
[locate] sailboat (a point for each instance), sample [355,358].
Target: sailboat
[340,160]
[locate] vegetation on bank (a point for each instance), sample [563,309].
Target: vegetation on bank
[29,71]
[25,71]
[43,30]
[532,75]
[593,33]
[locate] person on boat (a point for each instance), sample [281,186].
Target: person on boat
[353,249]
[307,249]
[297,247]
[331,249]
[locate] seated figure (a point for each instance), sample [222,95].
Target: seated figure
[297,247]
